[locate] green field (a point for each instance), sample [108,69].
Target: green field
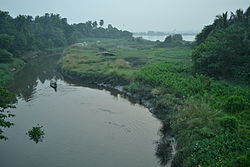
[94,59]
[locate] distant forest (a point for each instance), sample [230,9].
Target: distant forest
[25,33]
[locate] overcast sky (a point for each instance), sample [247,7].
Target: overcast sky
[132,15]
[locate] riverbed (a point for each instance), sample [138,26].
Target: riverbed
[84,125]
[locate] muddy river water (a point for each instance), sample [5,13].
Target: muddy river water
[84,126]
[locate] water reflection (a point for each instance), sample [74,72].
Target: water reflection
[163,150]
[166,150]
[38,70]
[114,92]
[41,71]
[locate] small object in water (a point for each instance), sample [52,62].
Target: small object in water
[36,134]
[53,84]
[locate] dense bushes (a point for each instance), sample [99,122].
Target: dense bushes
[229,123]
[211,128]
[222,49]
[5,56]
[221,150]
[173,41]
[224,54]
[235,104]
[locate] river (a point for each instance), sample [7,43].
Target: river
[162,37]
[84,125]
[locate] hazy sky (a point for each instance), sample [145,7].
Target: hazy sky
[132,15]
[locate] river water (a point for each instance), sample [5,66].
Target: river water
[189,38]
[83,125]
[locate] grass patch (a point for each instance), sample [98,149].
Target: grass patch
[124,62]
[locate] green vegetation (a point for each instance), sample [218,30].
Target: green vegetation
[104,63]
[173,41]
[23,38]
[25,33]
[222,49]
[36,134]
[7,100]
[208,117]
[7,70]
[212,126]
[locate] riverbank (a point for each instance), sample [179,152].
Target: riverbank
[10,68]
[192,108]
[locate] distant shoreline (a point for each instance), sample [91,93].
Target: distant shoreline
[153,33]
[186,37]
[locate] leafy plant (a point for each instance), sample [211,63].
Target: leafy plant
[36,134]
[7,101]
[235,104]
[229,123]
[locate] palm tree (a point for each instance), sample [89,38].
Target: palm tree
[239,16]
[94,24]
[101,23]
[232,18]
[221,20]
[247,17]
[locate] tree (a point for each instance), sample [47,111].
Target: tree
[7,100]
[110,27]
[101,23]
[221,20]
[202,36]
[177,37]
[224,54]
[6,41]
[23,33]
[5,56]
[222,49]
[172,41]
[94,24]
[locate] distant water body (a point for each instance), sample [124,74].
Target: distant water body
[162,37]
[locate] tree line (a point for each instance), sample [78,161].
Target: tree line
[174,40]
[223,48]
[25,33]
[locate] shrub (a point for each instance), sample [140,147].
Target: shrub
[139,90]
[242,161]
[217,151]
[5,56]
[229,123]
[235,104]
[166,104]
[7,101]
